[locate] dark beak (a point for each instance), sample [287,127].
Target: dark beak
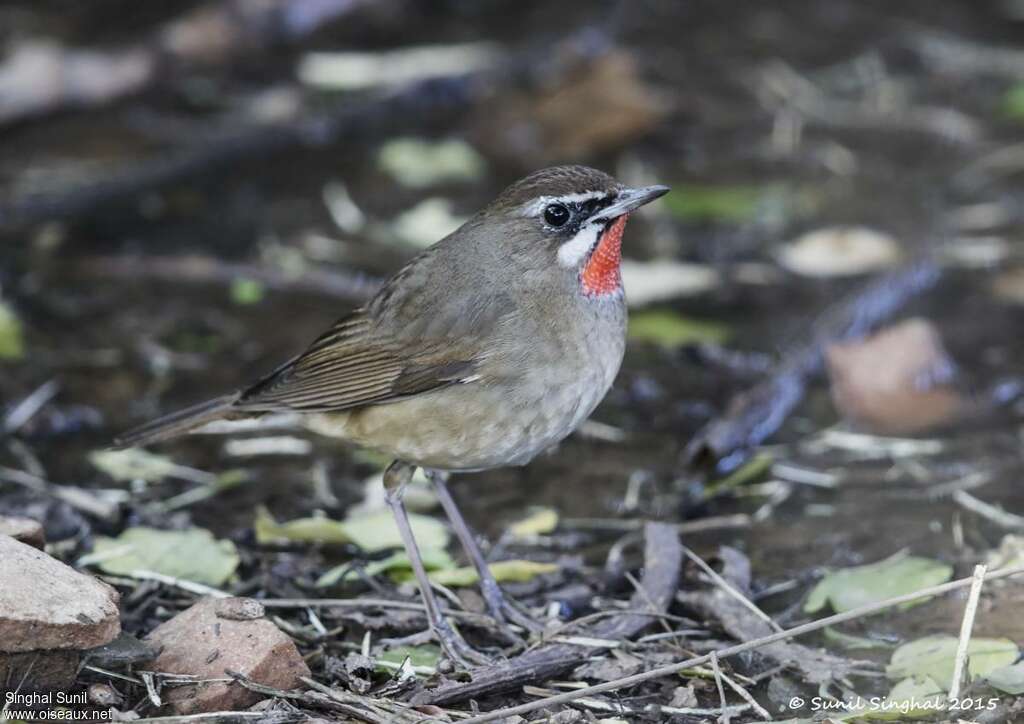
[629,200]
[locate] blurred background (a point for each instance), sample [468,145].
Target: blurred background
[191,191]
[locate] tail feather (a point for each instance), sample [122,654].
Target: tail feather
[177,423]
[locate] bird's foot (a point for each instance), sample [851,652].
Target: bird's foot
[452,645]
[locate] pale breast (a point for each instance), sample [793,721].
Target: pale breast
[492,422]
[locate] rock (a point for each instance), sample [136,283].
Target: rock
[40,671]
[45,604]
[200,641]
[25,530]
[239,609]
[897,381]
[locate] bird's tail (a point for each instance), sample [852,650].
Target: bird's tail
[177,423]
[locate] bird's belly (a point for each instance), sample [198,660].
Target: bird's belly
[474,426]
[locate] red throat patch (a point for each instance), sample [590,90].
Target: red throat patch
[602,274]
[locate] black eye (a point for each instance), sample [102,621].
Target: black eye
[556,215]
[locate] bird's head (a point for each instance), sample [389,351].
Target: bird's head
[576,216]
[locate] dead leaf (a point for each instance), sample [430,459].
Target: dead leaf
[897,381]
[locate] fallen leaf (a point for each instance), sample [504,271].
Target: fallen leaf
[1013,102]
[137,464]
[732,204]
[840,251]
[540,522]
[193,554]
[646,282]
[356,70]
[851,642]
[1008,286]
[419,163]
[897,381]
[586,104]
[12,344]
[427,655]
[750,471]
[247,291]
[1010,553]
[377,531]
[300,530]
[934,656]
[373,532]
[912,698]
[517,571]
[426,222]
[849,588]
[433,559]
[669,329]
[1008,679]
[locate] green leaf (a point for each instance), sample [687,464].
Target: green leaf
[912,698]
[247,291]
[373,532]
[669,329]
[746,473]
[935,656]
[851,642]
[192,554]
[1013,102]
[517,571]
[419,163]
[540,522]
[12,343]
[137,464]
[300,530]
[1008,679]
[433,559]
[733,204]
[849,588]
[426,655]
[377,531]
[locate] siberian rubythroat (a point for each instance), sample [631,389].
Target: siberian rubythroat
[486,349]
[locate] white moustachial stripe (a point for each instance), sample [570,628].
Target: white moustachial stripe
[572,252]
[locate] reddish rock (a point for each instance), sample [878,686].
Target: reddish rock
[897,381]
[202,642]
[45,604]
[25,530]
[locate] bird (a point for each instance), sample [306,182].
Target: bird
[486,349]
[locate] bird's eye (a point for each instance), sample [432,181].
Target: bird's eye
[556,215]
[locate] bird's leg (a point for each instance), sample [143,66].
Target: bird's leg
[499,607]
[396,478]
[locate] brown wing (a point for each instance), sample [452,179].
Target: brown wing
[352,365]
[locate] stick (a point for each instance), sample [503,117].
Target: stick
[662,562]
[672,669]
[364,603]
[965,631]
[756,413]
[724,717]
[729,589]
[990,512]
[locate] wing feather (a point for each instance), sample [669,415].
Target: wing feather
[352,365]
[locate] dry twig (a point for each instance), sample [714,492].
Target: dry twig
[662,562]
[672,669]
[970,610]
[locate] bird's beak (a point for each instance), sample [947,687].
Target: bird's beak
[629,200]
